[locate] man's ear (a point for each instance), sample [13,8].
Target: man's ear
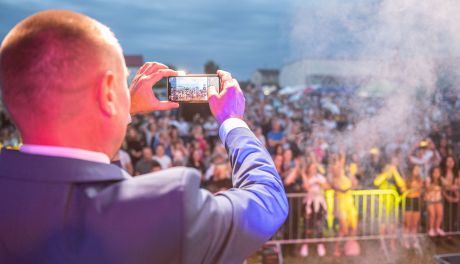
[107,94]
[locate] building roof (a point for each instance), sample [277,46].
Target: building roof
[134,60]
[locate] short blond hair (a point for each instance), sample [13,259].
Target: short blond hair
[51,55]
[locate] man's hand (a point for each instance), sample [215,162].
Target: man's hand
[229,102]
[143,99]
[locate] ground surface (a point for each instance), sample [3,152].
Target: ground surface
[371,252]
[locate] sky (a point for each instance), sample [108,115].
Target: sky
[240,36]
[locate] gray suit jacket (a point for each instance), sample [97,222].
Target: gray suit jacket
[61,210]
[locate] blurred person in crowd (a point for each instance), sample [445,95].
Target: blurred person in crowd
[290,172]
[179,153]
[445,148]
[151,134]
[353,168]
[315,185]
[219,177]
[278,160]
[161,157]
[165,140]
[372,167]
[344,207]
[426,156]
[413,206]
[259,134]
[196,161]
[9,138]
[279,150]
[125,161]
[182,126]
[146,164]
[216,160]
[389,179]
[198,136]
[78,67]
[134,144]
[174,134]
[433,198]
[275,136]
[211,129]
[451,193]
[293,137]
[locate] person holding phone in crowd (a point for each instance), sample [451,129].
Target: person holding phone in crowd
[64,83]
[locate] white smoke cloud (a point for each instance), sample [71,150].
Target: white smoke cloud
[407,42]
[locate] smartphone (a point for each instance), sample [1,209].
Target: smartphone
[191,88]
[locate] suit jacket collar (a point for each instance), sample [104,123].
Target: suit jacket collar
[17,165]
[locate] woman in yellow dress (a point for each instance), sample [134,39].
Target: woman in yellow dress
[344,207]
[389,179]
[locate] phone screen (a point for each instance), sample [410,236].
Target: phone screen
[191,88]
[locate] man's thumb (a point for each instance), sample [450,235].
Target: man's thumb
[212,92]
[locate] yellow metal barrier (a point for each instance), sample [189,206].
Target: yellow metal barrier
[374,207]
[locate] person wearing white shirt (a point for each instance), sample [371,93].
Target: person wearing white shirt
[161,157]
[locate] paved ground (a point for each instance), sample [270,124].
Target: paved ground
[372,252]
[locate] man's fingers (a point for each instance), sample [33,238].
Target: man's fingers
[212,93]
[155,66]
[236,84]
[168,72]
[156,76]
[166,105]
[224,76]
[229,84]
[148,68]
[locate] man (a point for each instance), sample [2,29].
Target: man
[146,164]
[63,81]
[275,136]
[161,157]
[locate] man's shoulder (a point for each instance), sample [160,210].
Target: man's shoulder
[159,183]
[148,194]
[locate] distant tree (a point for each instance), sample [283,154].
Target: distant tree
[172,67]
[210,67]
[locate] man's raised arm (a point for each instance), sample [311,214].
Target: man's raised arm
[228,227]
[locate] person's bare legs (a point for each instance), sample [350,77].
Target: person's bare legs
[342,233]
[439,211]
[431,218]
[414,227]
[407,228]
[391,231]
[414,222]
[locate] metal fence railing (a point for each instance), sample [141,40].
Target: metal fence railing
[375,209]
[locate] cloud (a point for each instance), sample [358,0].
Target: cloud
[241,36]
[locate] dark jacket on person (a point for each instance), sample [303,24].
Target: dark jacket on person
[63,210]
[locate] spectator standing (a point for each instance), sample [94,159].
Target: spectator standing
[134,144]
[413,206]
[434,202]
[315,205]
[389,179]
[451,192]
[125,161]
[344,207]
[146,164]
[275,136]
[196,161]
[161,157]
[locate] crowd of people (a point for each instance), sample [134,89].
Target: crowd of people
[301,133]
[187,94]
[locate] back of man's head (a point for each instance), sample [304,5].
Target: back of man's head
[50,64]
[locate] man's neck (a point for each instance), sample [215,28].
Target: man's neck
[65,152]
